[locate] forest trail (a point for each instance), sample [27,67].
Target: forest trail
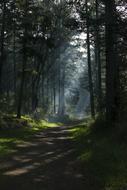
[48,162]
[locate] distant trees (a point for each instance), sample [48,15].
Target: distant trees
[32,34]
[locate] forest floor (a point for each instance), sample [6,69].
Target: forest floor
[63,158]
[46,162]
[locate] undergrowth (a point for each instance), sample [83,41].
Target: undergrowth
[102,152]
[15,131]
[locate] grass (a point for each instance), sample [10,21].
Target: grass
[102,154]
[15,131]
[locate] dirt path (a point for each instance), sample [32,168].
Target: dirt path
[47,163]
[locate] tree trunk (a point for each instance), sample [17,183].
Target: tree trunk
[2,44]
[54,96]
[43,91]
[62,91]
[89,64]
[59,86]
[111,62]
[14,61]
[98,62]
[21,90]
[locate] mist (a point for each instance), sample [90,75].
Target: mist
[72,96]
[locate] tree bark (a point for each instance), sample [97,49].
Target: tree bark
[111,62]
[89,64]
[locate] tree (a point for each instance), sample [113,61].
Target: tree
[89,63]
[2,38]
[112,73]
[24,61]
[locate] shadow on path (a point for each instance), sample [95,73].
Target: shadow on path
[48,162]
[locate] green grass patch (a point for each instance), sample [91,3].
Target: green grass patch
[15,131]
[102,154]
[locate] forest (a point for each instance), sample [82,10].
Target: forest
[63,94]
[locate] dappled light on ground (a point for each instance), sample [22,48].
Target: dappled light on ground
[46,162]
